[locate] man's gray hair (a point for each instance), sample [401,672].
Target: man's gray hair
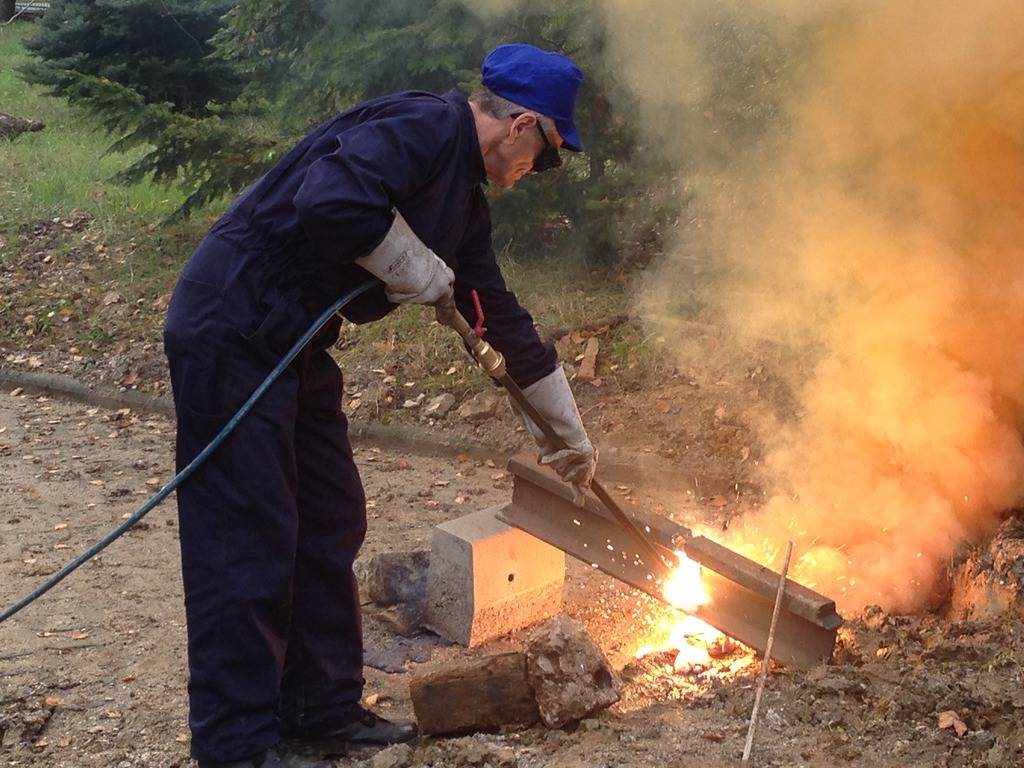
[501,108]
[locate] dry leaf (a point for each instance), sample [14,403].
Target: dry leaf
[54,701]
[78,634]
[950,719]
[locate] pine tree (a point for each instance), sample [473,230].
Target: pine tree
[144,69]
[158,48]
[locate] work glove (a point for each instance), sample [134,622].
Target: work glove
[410,271]
[576,463]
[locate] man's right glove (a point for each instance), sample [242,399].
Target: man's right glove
[553,398]
[410,271]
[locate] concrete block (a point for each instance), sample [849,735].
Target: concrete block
[487,579]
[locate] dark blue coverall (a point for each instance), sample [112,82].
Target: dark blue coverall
[271,524]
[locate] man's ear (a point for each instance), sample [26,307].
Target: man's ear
[521,125]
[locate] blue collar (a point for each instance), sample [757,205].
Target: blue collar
[473,158]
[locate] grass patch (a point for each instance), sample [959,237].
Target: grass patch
[65,166]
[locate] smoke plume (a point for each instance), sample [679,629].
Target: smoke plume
[876,230]
[853,172]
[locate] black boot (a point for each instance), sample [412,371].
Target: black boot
[362,728]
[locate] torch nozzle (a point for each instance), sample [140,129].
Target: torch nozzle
[487,357]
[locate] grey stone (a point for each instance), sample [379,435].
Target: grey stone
[438,407]
[568,672]
[479,407]
[981,740]
[395,756]
[394,654]
[394,578]
[406,620]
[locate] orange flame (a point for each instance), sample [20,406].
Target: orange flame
[684,589]
[694,641]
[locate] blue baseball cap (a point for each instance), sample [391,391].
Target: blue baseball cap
[544,81]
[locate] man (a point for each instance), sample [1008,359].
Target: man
[271,524]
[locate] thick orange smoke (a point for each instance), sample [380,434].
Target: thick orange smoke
[854,178]
[884,233]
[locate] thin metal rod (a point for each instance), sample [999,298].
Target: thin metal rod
[766,664]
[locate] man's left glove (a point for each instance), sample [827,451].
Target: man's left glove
[576,463]
[410,271]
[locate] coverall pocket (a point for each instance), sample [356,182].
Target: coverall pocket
[281,326]
[212,370]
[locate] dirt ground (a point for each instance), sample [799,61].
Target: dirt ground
[94,673]
[63,313]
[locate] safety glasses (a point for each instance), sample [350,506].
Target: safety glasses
[548,157]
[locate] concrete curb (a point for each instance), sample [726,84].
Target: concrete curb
[414,439]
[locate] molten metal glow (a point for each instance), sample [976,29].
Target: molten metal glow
[684,589]
[694,641]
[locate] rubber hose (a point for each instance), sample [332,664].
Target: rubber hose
[193,465]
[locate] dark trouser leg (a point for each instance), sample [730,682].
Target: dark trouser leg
[324,663]
[239,531]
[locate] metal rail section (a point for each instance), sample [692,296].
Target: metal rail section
[742,592]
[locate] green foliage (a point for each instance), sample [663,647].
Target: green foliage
[144,68]
[63,168]
[303,60]
[157,48]
[204,156]
[309,59]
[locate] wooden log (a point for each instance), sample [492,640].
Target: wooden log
[474,695]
